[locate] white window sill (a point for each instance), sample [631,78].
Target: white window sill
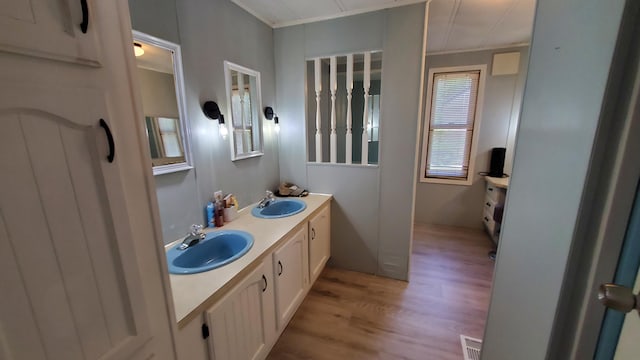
[463,182]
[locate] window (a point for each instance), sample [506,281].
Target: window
[454,106]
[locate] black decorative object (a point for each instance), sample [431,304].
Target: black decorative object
[276,120]
[212,111]
[496,166]
[269,113]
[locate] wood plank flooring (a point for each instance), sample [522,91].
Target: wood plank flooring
[350,315]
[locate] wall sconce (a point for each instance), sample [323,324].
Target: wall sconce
[212,111]
[137,49]
[269,114]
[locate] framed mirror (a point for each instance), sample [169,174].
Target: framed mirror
[159,71]
[244,104]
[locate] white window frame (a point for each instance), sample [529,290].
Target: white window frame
[476,124]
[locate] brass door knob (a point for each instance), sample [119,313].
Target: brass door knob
[618,297]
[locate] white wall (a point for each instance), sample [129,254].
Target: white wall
[462,205]
[571,54]
[372,229]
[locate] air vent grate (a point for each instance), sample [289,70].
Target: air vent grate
[470,347]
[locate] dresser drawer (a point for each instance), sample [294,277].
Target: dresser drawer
[492,227]
[489,207]
[496,194]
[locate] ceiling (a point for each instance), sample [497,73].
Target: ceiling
[155,58]
[454,25]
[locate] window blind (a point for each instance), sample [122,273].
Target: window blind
[451,120]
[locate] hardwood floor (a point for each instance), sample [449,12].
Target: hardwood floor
[350,315]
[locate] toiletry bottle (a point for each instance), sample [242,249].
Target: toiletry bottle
[219,208]
[210,215]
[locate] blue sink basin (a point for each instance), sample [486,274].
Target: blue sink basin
[217,249]
[279,209]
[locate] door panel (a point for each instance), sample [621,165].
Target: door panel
[64,224]
[49,29]
[319,242]
[291,274]
[243,324]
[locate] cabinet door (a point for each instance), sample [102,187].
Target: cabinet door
[50,29]
[242,325]
[70,277]
[290,264]
[319,242]
[67,265]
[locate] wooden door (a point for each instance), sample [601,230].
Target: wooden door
[50,29]
[70,280]
[319,242]
[291,276]
[242,325]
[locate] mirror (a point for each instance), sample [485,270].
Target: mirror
[159,71]
[244,104]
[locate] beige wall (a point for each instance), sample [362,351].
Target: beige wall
[461,205]
[158,93]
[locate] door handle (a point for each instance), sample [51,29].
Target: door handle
[620,298]
[112,146]
[313,234]
[264,278]
[85,16]
[281,268]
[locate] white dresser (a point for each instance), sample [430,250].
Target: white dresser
[496,193]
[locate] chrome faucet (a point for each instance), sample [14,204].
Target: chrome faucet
[267,200]
[192,237]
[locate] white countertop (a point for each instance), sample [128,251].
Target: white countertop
[499,182]
[194,293]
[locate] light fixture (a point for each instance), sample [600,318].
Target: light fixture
[212,111]
[269,114]
[137,49]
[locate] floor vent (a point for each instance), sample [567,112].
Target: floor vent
[470,347]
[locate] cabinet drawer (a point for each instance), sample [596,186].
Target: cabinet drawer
[492,227]
[489,207]
[495,193]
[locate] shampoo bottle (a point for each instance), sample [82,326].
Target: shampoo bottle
[210,215]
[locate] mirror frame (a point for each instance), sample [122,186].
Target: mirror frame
[228,66]
[178,79]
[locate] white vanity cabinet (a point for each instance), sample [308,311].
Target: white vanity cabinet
[242,325]
[290,262]
[319,242]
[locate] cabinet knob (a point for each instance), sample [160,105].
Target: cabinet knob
[313,234]
[281,268]
[264,278]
